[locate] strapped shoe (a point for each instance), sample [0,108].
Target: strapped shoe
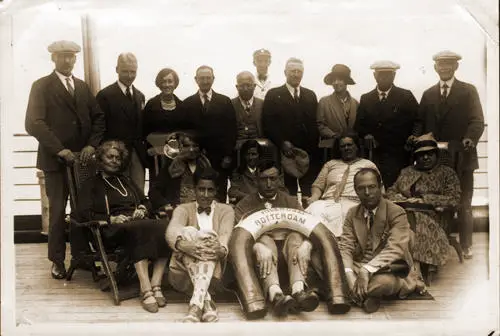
[307,301]
[58,271]
[209,312]
[467,253]
[150,307]
[283,304]
[158,294]
[194,314]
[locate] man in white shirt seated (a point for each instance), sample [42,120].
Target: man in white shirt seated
[198,234]
[375,245]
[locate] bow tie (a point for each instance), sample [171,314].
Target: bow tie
[206,210]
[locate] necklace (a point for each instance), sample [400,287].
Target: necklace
[124,193]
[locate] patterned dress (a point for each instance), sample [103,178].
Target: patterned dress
[438,187]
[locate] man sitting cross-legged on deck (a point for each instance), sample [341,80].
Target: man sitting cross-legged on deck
[376,236]
[199,233]
[296,248]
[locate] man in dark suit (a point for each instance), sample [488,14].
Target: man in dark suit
[122,104]
[289,120]
[211,115]
[248,108]
[451,110]
[376,236]
[65,118]
[385,118]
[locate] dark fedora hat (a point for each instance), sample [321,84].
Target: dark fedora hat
[339,71]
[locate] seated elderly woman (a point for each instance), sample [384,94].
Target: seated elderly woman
[427,183]
[199,233]
[113,197]
[333,191]
[174,184]
[244,179]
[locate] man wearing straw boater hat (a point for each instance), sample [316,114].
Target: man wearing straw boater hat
[452,111]
[385,118]
[64,117]
[337,111]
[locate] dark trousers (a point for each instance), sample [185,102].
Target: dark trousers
[466,221]
[390,165]
[57,190]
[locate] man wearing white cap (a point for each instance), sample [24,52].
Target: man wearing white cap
[385,118]
[262,60]
[451,110]
[64,117]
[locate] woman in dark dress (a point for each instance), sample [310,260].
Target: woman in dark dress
[163,112]
[113,197]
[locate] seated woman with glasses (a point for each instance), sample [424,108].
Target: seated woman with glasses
[114,198]
[333,191]
[174,184]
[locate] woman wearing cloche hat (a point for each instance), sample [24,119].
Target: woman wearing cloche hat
[337,111]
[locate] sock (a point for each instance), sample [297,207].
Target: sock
[298,286]
[273,290]
[200,273]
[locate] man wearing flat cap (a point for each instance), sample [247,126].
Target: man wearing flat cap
[289,120]
[337,112]
[262,60]
[122,104]
[65,118]
[452,111]
[386,119]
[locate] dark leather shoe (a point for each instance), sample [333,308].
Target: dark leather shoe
[194,314]
[371,305]
[58,271]
[209,312]
[283,304]
[307,301]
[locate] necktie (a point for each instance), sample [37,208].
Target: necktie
[206,102]
[206,210]
[384,97]
[128,93]
[371,218]
[342,184]
[296,95]
[247,107]
[71,90]
[444,95]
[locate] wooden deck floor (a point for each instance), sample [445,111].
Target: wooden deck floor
[460,291]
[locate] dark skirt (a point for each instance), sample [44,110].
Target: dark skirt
[142,239]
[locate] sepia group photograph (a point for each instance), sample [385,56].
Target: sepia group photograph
[249,167]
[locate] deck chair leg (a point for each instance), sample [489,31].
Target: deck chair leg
[107,268]
[456,245]
[71,270]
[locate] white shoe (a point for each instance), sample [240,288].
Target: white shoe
[467,253]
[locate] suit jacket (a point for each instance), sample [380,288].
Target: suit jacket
[216,127]
[391,123]
[123,118]
[462,117]
[255,111]
[391,236]
[331,116]
[285,120]
[59,121]
[185,215]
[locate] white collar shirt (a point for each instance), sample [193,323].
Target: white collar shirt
[205,222]
[291,89]
[386,93]
[63,79]
[209,95]
[123,87]
[449,83]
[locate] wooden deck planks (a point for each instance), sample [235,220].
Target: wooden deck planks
[459,290]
